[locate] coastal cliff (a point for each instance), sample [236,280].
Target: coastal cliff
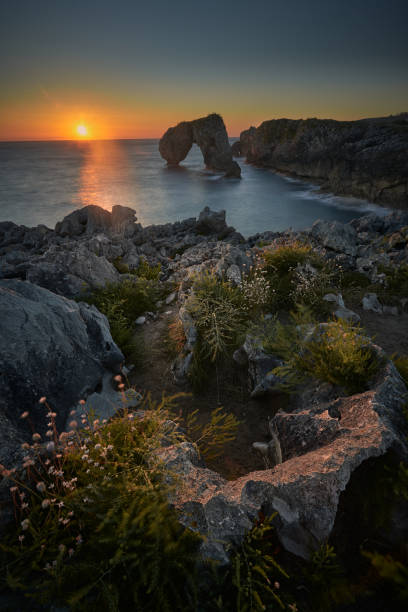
[365,159]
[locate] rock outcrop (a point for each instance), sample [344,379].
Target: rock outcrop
[210,135]
[323,440]
[49,346]
[366,158]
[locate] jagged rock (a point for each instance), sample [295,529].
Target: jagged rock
[49,346]
[341,312]
[261,380]
[370,302]
[211,222]
[233,274]
[336,236]
[366,158]
[347,315]
[306,487]
[71,270]
[336,298]
[210,135]
[91,219]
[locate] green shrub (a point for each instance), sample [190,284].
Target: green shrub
[211,437]
[122,303]
[94,528]
[297,274]
[121,267]
[397,281]
[145,270]
[401,363]
[252,582]
[334,352]
[351,279]
[216,307]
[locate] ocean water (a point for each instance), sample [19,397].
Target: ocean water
[41,182]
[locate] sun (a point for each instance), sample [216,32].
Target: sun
[82,130]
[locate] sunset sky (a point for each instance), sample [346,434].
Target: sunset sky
[130,69]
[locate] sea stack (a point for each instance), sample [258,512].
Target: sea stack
[210,134]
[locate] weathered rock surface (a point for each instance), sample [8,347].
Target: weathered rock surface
[210,135]
[366,158]
[323,443]
[91,219]
[49,346]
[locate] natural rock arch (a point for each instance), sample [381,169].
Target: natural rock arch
[210,134]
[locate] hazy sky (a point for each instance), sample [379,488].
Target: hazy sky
[128,69]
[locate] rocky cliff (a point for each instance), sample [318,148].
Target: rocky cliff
[210,135]
[365,159]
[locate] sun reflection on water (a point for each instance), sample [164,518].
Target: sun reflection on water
[106,176]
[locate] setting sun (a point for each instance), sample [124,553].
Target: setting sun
[82,130]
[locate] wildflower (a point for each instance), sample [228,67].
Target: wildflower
[82,402]
[79,539]
[25,446]
[41,487]
[98,446]
[109,447]
[24,506]
[73,424]
[70,552]
[13,489]
[25,524]
[24,415]
[121,386]
[61,548]
[42,400]
[36,437]
[118,378]
[276,585]
[21,538]
[72,413]
[45,503]
[50,446]
[60,504]
[49,433]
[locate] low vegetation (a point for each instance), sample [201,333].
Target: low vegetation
[123,303]
[335,352]
[94,528]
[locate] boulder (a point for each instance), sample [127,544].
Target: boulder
[70,270]
[91,219]
[210,135]
[211,222]
[336,236]
[49,346]
[371,302]
[261,380]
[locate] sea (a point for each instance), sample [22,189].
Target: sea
[41,182]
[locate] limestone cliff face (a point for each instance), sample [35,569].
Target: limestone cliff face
[212,138]
[366,158]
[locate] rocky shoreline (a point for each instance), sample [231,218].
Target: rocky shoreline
[365,159]
[54,346]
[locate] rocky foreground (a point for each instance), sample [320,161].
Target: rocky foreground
[54,346]
[366,159]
